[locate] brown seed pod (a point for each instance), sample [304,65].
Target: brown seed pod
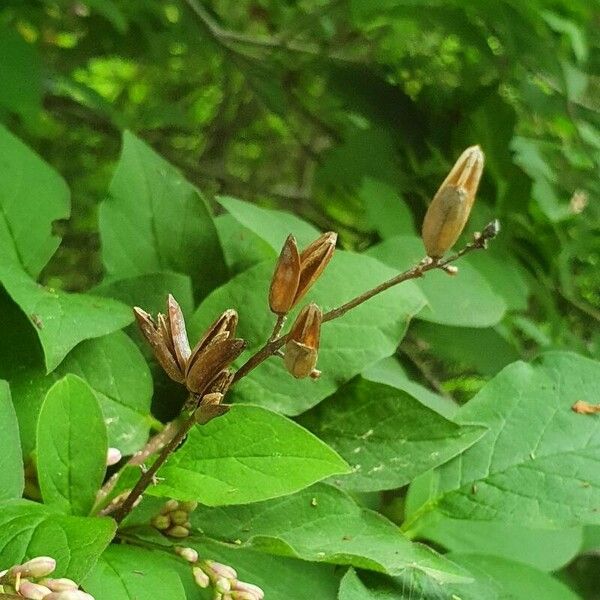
[301,349]
[155,336]
[179,338]
[284,283]
[449,210]
[313,261]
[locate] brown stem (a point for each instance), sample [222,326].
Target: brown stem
[146,478]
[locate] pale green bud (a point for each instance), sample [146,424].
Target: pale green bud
[33,591]
[200,577]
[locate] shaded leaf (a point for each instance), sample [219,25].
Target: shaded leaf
[249,454]
[11,462]
[71,447]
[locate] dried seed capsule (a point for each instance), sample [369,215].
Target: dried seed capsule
[285,280]
[210,361]
[301,349]
[226,323]
[449,210]
[179,338]
[208,412]
[160,347]
[313,260]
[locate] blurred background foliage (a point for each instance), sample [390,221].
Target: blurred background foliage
[348,113]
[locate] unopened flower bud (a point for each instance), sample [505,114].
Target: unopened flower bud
[301,349]
[161,522]
[200,577]
[36,567]
[221,570]
[59,585]
[178,517]
[189,506]
[451,205]
[250,588]
[113,456]
[69,595]
[188,554]
[244,596]
[222,585]
[451,269]
[33,591]
[178,531]
[169,506]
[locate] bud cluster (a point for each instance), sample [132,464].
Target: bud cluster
[204,370]
[174,518]
[30,580]
[222,578]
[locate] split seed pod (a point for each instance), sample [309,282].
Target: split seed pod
[452,203]
[296,272]
[301,349]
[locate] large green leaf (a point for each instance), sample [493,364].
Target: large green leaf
[32,196]
[28,529]
[250,454]
[539,462]
[386,210]
[386,435]
[511,580]
[71,447]
[348,345]
[62,320]
[323,523]
[154,220]
[273,226]
[129,573]
[11,461]
[115,369]
[467,300]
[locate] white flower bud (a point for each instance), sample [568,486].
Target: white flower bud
[221,570]
[222,585]
[69,595]
[36,567]
[200,577]
[60,585]
[113,456]
[188,554]
[33,591]
[242,586]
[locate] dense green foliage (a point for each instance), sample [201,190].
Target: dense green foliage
[149,148]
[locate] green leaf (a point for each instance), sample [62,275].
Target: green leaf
[511,579]
[20,77]
[386,210]
[273,226]
[389,371]
[466,300]
[324,524]
[250,454]
[242,248]
[348,344]
[386,435]
[544,549]
[32,196]
[71,447]
[28,529]
[538,463]
[62,320]
[281,578]
[115,369]
[11,462]
[154,220]
[129,573]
